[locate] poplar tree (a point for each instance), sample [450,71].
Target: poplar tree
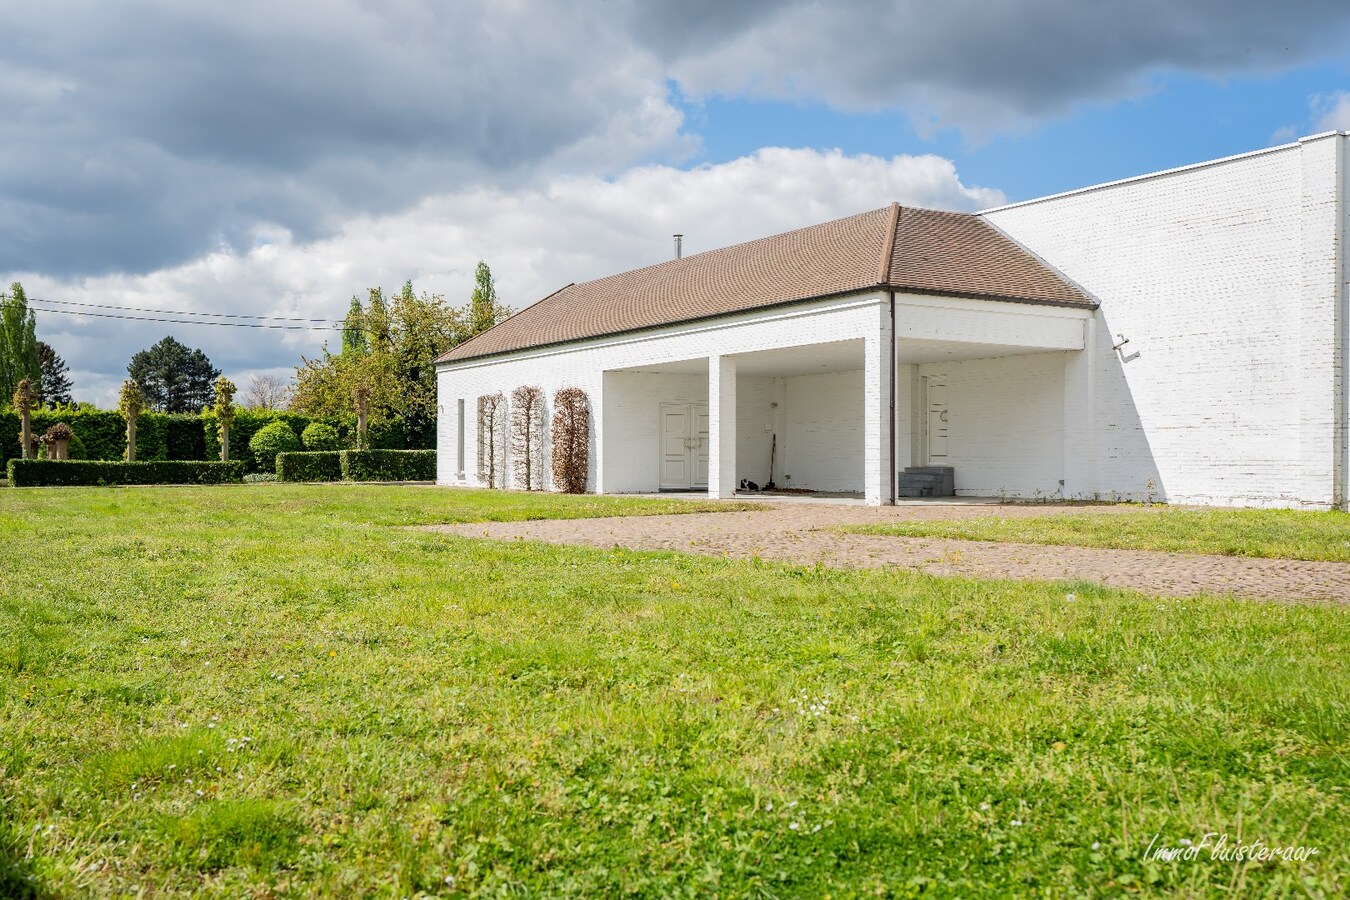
[18,343]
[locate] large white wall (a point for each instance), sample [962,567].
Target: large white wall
[825,444]
[756,423]
[1225,278]
[632,428]
[1005,424]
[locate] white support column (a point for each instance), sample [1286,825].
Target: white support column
[876,425]
[1080,417]
[721,427]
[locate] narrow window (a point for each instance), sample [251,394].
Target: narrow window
[460,434]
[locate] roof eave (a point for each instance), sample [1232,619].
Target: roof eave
[708,318]
[1001,298]
[908,289]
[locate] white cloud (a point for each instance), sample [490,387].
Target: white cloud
[145,132]
[1332,111]
[573,228]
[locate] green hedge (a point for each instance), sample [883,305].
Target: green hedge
[50,473]
[389,465]
[248,422]
[193,437]
[104,433]
[184,438]
[314,465]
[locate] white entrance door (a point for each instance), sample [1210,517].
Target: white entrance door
[684,446]
[935,420]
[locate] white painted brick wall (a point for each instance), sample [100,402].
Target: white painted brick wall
[825,432]
[624,451]
[1222,278]
[633,441]
[1005,424]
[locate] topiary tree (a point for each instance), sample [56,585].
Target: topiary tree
[25,398]
[492,439]
[571,440]
[320,436]
[270,440]
[57,440]
[76,450]
[224,410]
[129,404]
[527,437]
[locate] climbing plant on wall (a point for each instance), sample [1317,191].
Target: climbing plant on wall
[527,437]
[492,440]
[571,440]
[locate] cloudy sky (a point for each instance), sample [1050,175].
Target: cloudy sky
[272,159]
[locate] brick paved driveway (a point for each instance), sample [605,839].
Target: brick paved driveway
[798,532]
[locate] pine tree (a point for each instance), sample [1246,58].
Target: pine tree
[173,378]
[55,388]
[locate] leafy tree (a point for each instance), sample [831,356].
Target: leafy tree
[320,436]
[267,392]
[379,323]
[394,360]
[18,343]
[485,307]
[173,378]
[324,386]
[424,328]
[354,330]
[55,389]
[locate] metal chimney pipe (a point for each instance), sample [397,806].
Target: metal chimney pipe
[679,246]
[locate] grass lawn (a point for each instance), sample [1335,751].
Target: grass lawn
[269,690]
[1277,533]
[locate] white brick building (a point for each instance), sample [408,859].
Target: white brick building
[1179,336]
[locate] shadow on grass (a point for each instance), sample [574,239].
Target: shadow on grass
[18,880]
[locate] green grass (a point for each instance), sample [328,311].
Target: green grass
[1274,533]
[268,689]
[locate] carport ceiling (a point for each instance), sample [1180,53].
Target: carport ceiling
[808,359]
[912,352]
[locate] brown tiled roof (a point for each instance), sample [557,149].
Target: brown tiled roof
[896,247]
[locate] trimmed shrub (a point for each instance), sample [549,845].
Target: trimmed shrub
[54,472]
[278,437]
[259,478]
[317,465]
[103,432]
[246,424]
[388,465]
[76,449]
[320,436]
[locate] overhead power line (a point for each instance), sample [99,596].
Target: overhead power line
[180,312]
[75,312]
